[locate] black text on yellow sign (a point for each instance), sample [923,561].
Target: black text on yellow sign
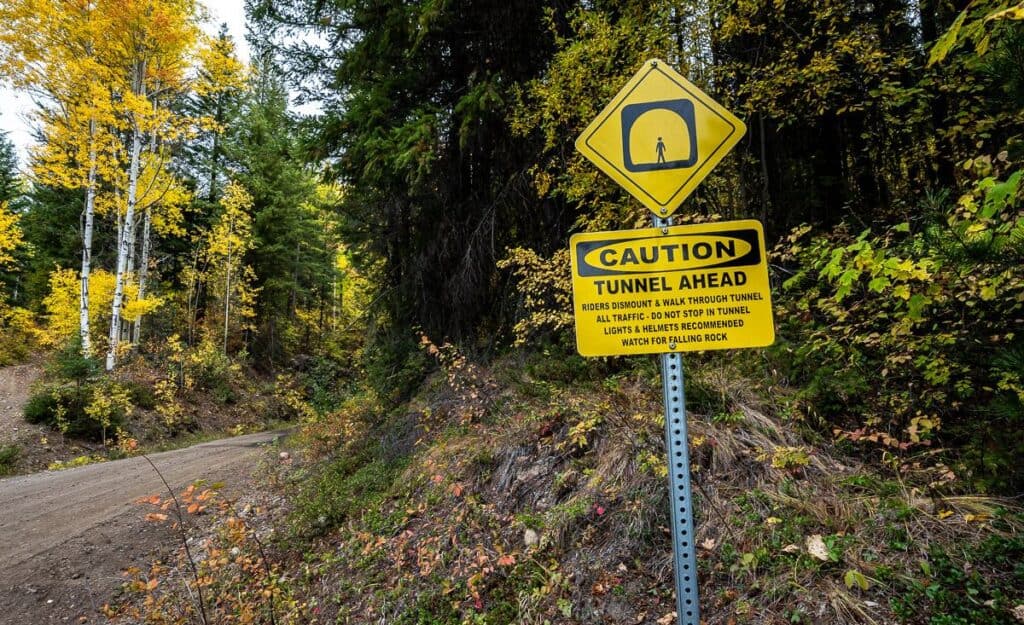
[680,288]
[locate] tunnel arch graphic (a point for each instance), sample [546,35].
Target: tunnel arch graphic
[681,107]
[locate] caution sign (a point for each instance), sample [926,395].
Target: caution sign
[680,288]
[660,136]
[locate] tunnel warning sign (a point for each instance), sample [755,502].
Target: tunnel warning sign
[660,136]
[679,288]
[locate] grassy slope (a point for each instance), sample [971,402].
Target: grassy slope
[533,491]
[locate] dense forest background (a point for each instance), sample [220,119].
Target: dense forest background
[882,154]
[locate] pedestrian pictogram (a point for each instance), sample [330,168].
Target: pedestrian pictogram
[660,136]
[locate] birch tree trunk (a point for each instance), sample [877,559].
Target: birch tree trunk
[136,330]
[143,271]
[227,286]
[129,223]
[87,227]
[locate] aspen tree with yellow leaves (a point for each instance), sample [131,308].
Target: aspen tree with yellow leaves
[151,50]
[16,328]
[229,277]
[107,74]
[53,50]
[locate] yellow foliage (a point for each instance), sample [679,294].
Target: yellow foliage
[230,280]
[232,234]
[62,303]
[18,334]
[351,289]
[107,402]
[790,458]
[167,402]
[220,70]
[545,291]
[10,234]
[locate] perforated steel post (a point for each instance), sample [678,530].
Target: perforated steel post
[684,547]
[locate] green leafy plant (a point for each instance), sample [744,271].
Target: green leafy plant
[9,458]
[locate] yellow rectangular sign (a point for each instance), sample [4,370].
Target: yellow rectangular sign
[680,288]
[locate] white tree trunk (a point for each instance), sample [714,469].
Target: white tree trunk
[227,286]
[136,331]
[90,204]
[128,228]
[143,272]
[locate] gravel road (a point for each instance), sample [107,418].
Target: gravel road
[65,537]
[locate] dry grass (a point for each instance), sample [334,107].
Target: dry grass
[535,502]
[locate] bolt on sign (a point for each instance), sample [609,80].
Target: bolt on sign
[669,289]
[678,288]
[659,137]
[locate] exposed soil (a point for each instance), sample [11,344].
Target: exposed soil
[38,446]
[66,537]
[15,383]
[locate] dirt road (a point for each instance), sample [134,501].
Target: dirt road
[65,537]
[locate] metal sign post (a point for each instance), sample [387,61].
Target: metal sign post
[684,544]
[668,289]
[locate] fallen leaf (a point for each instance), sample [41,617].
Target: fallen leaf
[945,514]
[791,548]
[1018,613]
[816,547]
[772,520]
[506,560]
[853,578]
[457,490]
[668,619]
[708,544]
[155,516]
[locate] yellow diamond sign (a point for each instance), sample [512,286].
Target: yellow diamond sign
[660,136]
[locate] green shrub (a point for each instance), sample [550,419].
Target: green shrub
[8,458]
[902,337]
[345,487]
[210,369]
[142,395]
[325,383]
[395,365]
[64,408]
[68,364]
[40,407]
[950,593]
[557,363]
